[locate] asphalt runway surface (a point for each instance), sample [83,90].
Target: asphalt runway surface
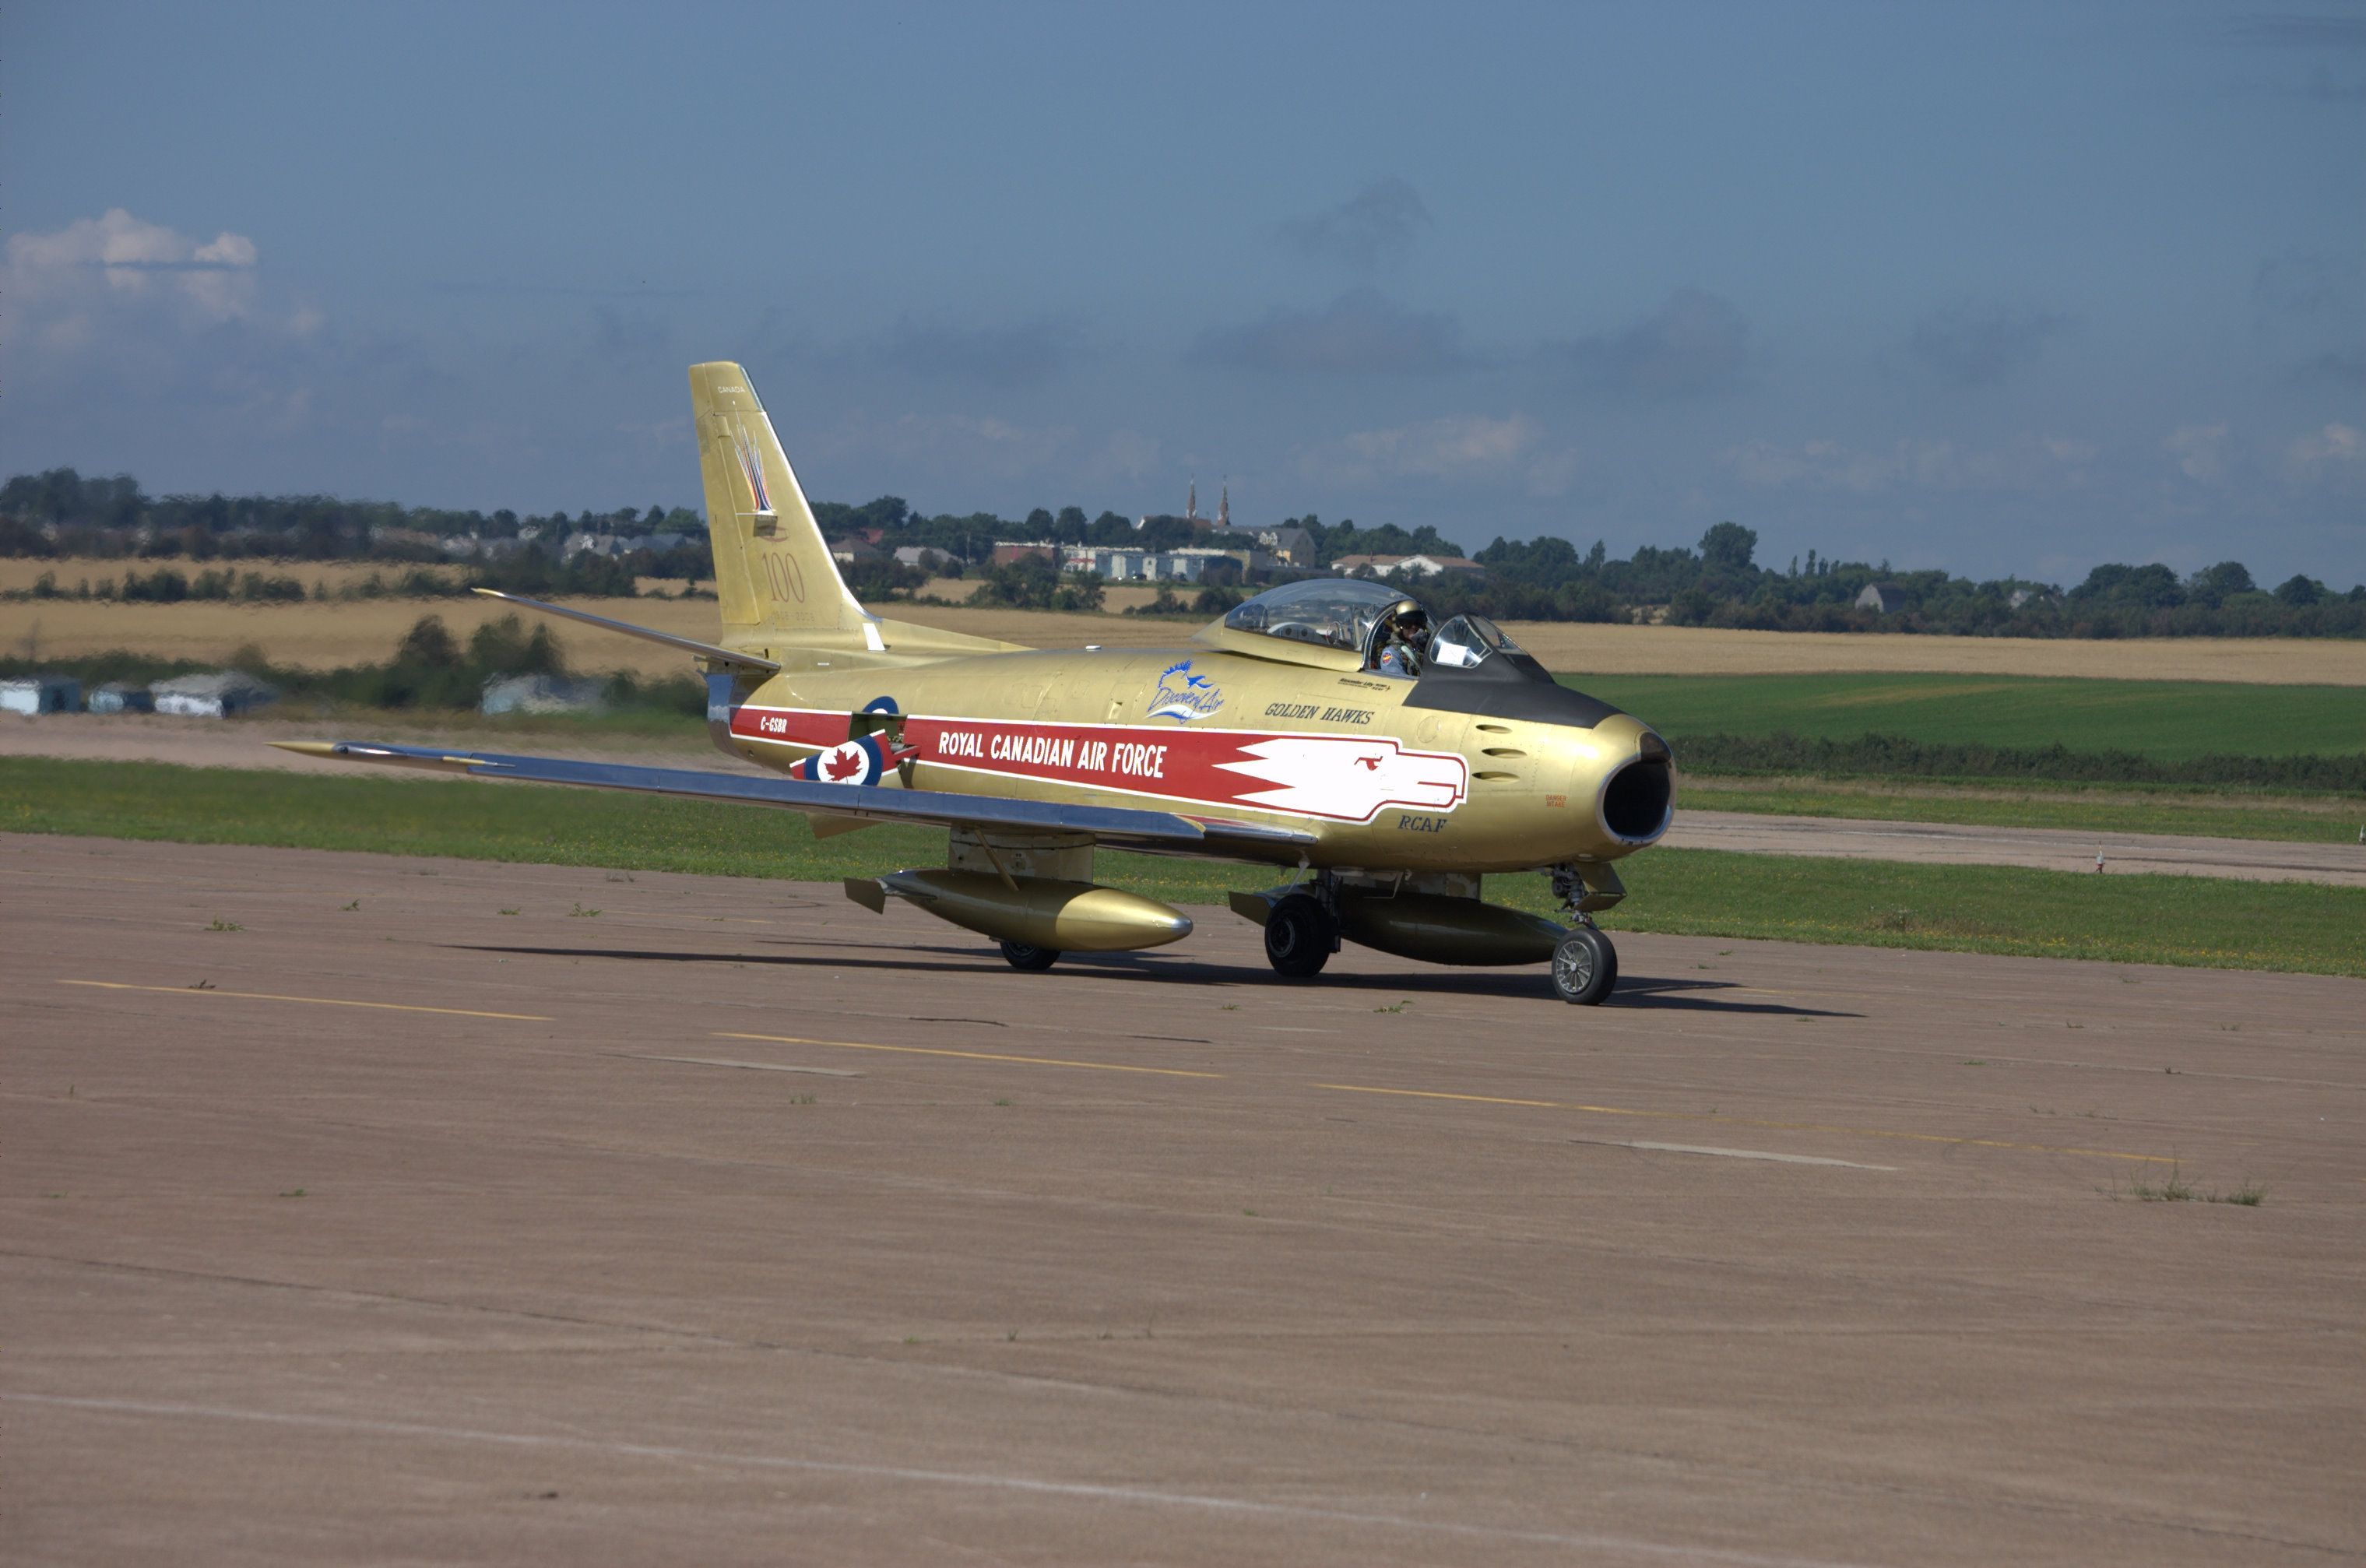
[370,1209]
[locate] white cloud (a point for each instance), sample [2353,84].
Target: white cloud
[2333,459]
[2200,451]
[1512,451]
[64,283]
[2334,444]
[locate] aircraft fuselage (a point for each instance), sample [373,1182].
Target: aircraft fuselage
[1387,780]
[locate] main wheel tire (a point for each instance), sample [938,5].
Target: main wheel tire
[1298,935]
[1585,968]
[1029,960]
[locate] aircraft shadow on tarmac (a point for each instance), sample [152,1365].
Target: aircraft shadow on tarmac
[1637,991]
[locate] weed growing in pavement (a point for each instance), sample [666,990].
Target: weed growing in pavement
[505,911]
[221,925]
[201,986]
[293,1193]
[581,913]
[2174,1189]
[347,908]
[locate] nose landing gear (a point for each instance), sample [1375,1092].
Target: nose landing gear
[1584,965]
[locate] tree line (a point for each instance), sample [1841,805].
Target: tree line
[1717,582]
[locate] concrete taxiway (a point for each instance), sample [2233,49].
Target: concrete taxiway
[367,1207]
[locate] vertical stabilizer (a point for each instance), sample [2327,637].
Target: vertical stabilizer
[773,572]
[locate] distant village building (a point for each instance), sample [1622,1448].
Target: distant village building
[121,696]
[1222,519]
[1882,598]
[476,547]
[927,558]
[223,694]
[30,694]
[613,546]
[542,693]
[1008,550]
[1188,564]
[1291,544]
[846,552]
[1411,566]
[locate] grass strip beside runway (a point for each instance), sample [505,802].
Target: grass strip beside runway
[2005,910]
[2102,810]
[2165,720]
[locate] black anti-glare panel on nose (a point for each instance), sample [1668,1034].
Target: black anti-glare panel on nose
[1538,702]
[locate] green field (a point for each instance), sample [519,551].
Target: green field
[2148,919]
[2167,720]
[2325,820]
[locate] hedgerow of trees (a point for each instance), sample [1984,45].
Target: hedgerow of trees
[1718,582]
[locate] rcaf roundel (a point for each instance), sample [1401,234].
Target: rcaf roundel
[862,761]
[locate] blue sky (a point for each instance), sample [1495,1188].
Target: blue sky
[2000,290]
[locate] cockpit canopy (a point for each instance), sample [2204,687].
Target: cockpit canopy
[1333,612]
[1387,631]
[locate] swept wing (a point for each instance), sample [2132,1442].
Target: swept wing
[1119,826]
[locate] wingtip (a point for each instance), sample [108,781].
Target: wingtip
[490,592]
[307,748]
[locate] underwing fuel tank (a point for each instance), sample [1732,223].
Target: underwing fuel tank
[1065,917]
[1438,929]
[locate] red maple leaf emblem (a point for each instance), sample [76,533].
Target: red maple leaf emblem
[845,765]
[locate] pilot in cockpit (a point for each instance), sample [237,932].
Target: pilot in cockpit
[1402,642]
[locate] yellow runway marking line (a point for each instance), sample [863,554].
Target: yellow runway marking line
[1755,1122]
[969,1055]
[315,1001]
[750,1066]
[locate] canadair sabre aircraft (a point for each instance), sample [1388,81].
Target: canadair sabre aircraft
[1324,726]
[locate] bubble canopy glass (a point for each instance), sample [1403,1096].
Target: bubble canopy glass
[1331,612]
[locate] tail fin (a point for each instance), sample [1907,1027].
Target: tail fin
[773,572]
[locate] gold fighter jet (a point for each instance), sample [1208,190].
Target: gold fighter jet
[1324,724]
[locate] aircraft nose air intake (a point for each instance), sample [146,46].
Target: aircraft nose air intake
[1638,798]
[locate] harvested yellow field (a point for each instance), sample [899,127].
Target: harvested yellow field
[18,575]
[1698,651]
[324,634]
[1695,650]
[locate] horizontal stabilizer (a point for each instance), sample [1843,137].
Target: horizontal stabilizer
[647,633]
[1121,825]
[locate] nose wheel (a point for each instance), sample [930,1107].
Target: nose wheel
[1029,960]
[1585,968]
